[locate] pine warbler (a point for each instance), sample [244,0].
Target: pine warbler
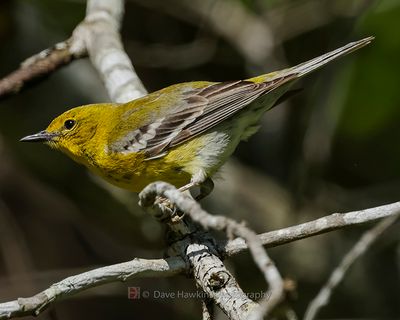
[181,134]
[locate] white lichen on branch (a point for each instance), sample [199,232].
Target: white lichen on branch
[315,227]
[193,209]
[176,265]
[196,253]
[99,34]
[136,268]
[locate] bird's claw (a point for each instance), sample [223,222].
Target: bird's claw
[170,209]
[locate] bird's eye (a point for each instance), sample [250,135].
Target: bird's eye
[69,124]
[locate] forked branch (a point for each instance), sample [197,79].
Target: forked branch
[174,265]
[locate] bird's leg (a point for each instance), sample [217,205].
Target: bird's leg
[206,187]
[205,183]
[187,187]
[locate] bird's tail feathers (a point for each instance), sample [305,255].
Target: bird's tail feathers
[314,64]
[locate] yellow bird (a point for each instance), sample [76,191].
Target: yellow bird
[181,134]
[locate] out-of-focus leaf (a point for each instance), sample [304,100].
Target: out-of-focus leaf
[373,101]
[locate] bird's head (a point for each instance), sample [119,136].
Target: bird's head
[73,131]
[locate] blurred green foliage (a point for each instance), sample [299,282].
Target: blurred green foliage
[368,128]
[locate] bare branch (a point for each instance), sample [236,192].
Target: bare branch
[136,268]
[99,33]
[39,66]
[198,247]
[207,306]
[367,239]
[190,207]
[171,266]
[322,225]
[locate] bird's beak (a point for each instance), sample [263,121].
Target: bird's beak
[42,136]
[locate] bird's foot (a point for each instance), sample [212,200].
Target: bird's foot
[170,210]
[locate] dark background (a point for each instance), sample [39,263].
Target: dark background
[332,148]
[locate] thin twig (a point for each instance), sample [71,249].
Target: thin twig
[136,268]
[366,240]
[308,229]
[177,265]
[39,66]
[97,35]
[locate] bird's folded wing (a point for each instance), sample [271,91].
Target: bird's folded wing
[201,110]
